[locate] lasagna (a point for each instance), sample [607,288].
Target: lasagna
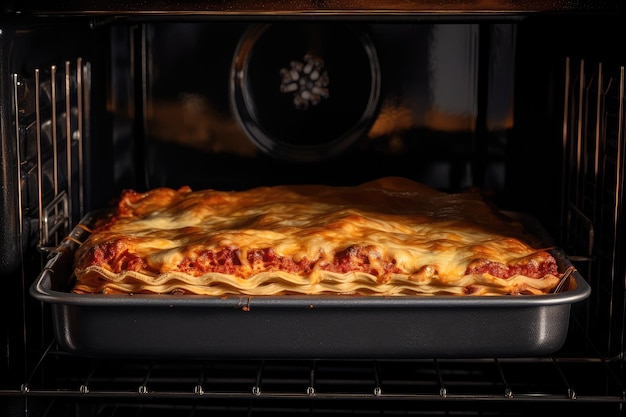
[388,237]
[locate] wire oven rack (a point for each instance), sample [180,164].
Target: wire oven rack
[73,385]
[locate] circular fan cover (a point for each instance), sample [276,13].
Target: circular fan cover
[305,92]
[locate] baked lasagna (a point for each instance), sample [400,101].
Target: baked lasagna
[388,237]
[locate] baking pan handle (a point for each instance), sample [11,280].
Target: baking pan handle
[56,274]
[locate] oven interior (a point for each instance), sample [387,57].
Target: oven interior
[525,105]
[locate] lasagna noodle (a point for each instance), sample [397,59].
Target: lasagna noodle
[280,283]
[398,237]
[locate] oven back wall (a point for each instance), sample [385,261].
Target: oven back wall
[234,105]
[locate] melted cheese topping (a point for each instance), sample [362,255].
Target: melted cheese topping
[416,240]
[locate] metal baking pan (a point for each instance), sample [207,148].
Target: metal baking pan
[316,327]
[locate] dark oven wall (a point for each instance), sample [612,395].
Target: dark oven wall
[569,97]
[432,102]
[40,68]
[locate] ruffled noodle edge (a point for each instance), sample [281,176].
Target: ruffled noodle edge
[98,280]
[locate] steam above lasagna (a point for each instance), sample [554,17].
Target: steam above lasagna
[388,237]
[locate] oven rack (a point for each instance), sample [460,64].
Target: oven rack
[556,379]
[573,378]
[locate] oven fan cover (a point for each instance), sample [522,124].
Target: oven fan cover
[305,92]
